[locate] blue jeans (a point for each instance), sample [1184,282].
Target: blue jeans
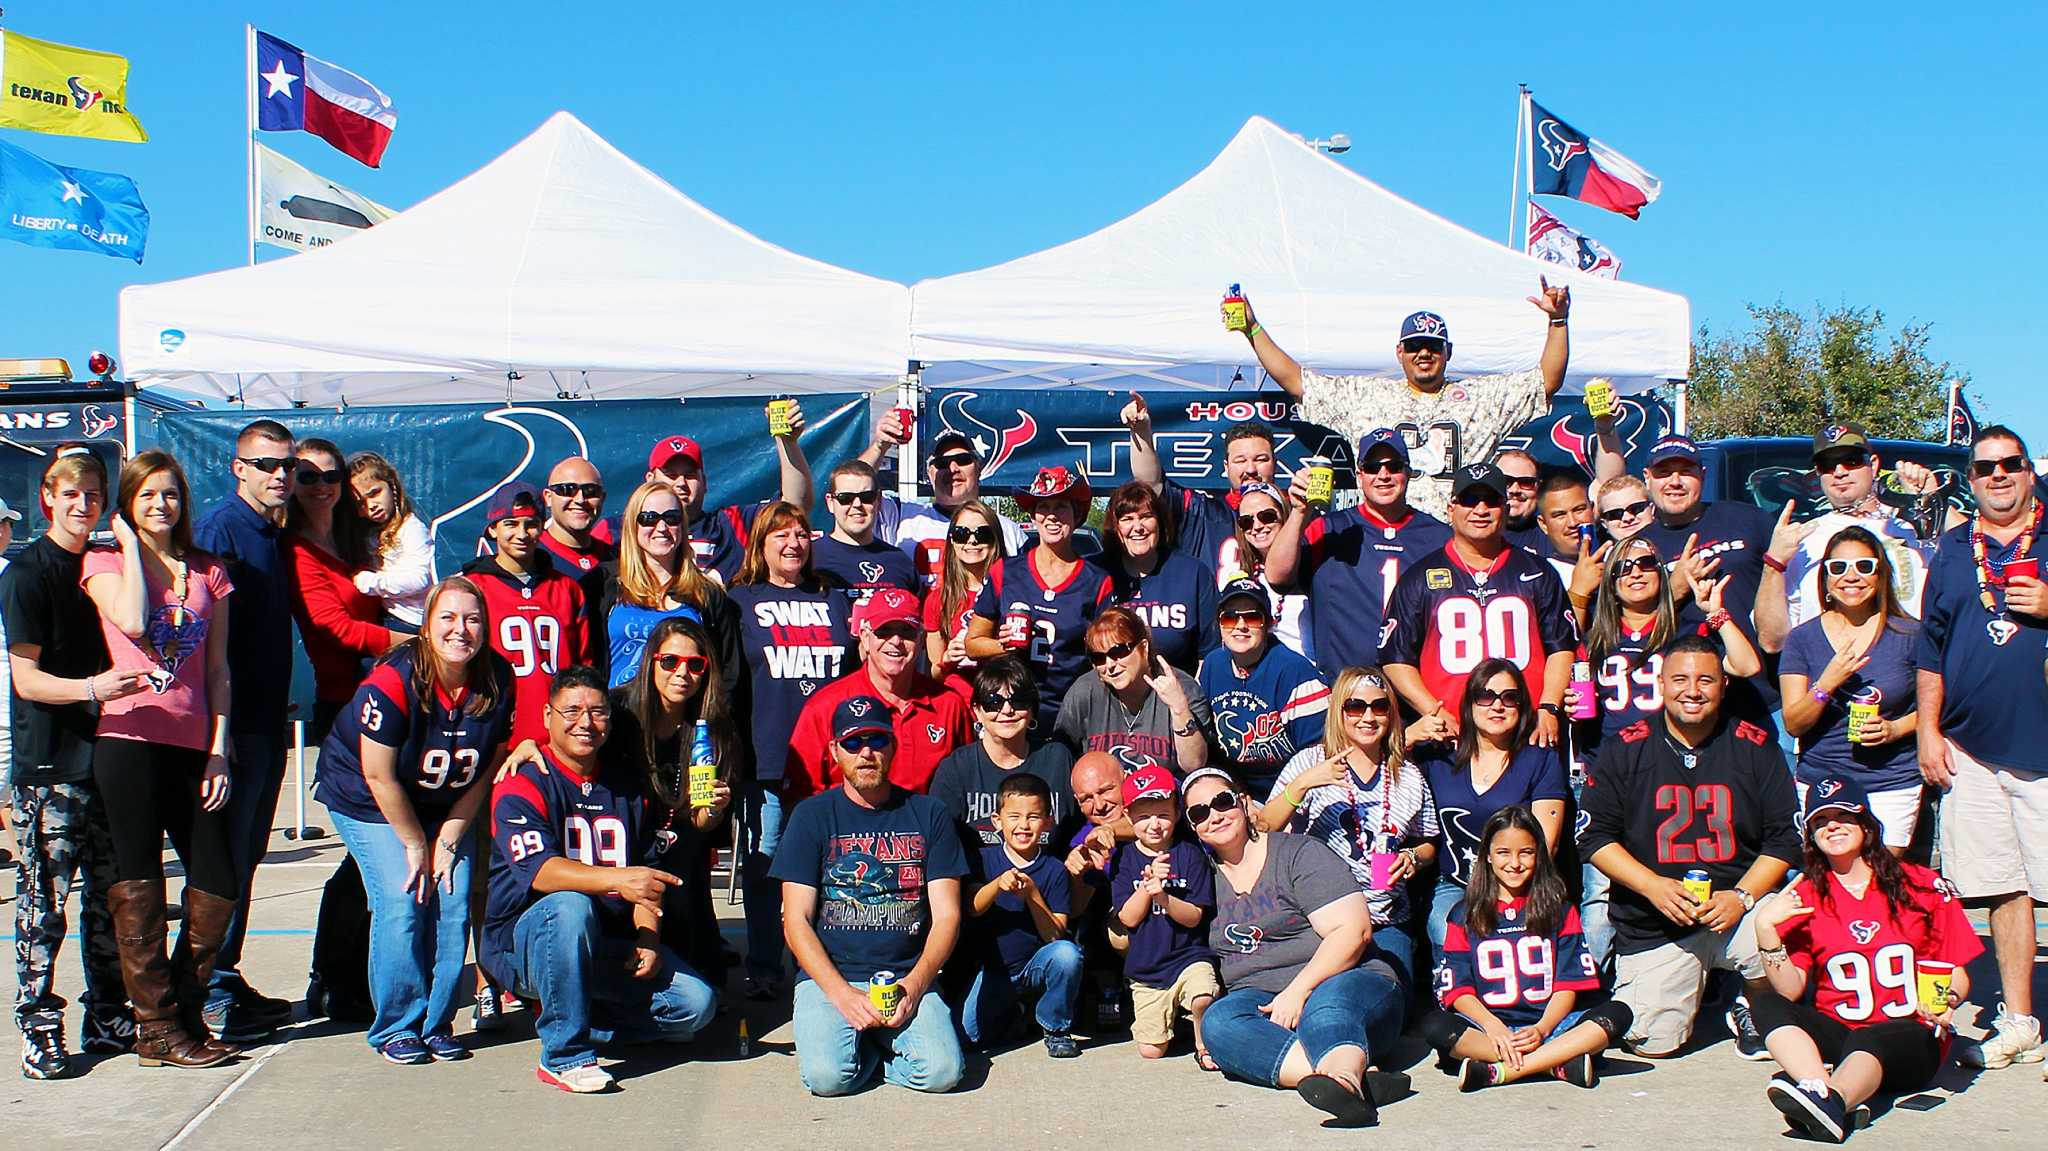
[255,775]
[416,949]
[1053,973]
[762,834]
[1357,1008]
[834,1059]
[1445,897]
[1593,914]
[1397,945]
[562,956]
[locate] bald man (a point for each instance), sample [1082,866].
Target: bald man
[575,529]
[1098,783]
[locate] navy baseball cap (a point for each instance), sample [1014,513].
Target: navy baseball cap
[1674,447]
[1478,476]
[857,714]
[1836,793]
[950,438]
[1245,587]
[1386,438]
[1427,326]
[513,499]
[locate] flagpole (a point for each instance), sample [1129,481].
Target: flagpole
[1515,172]
[1948,433]
[249,98]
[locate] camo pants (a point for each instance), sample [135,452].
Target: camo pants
[62,831]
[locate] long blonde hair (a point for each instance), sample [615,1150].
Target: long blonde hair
[640,582]
[1336,742]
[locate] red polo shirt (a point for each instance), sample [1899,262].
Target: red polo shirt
[931,722]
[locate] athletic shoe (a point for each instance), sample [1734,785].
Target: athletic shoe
[445,1048]
[108,1034]
[587,1079]
[1346,1107]
[1476,1074]
[406,1051]
[266,1008]
[1061,1045]
[1810,1107]
[233,1026]
[42,1054]
[1749,1042]
[487,1015]
[763,989]
[1579,1071]
[2013,1039]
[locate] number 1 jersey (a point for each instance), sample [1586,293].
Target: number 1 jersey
[1446,617]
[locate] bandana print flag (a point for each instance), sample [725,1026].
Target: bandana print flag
[1567,162]
[1550,240]
[297,91]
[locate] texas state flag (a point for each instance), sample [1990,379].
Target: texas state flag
[296,91]
[1567,162]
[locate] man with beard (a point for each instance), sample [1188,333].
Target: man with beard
[1203,521]
[1519,469]
[953,466]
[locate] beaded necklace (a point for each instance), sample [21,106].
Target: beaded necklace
[1978,550]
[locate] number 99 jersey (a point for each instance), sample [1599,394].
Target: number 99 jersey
[1446,617]
[1512,972]
[1860,956]
[442,749]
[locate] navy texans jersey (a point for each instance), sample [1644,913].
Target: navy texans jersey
[1051,622]
[1512,973]
[540,815]
[443,750]
[1350,562]
[1446,617]
[1178,602]
[861,568]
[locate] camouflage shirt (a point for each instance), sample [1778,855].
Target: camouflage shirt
[1484,408]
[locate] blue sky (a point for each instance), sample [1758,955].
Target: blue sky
[1888,158]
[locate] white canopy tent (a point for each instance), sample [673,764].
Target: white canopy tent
[1331,261]
[561,261]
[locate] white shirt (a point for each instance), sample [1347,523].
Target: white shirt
[1291,621]
[1909,557]
[404,574]
[920,529]
[1484,408]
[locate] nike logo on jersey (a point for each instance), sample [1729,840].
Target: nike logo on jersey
[519,820]
[1531,576]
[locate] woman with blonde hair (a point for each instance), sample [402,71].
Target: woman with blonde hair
[656,577]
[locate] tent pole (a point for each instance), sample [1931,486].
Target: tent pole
[910,396]
[249,101]
[1515,169]
[1682,416]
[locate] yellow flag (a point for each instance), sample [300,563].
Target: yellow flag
[68,91]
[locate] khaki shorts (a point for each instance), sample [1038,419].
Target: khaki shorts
[1994,829]
[1897,812]
[1663,985]
[1154,1009]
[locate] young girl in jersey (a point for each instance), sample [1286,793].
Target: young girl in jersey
[1513,967]
[1853,951]
[402,567]
[1260,511]
[974,542]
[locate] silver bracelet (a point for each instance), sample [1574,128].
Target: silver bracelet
[92,689]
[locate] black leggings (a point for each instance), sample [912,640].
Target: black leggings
[152,790]
[1441,1028]
[1907,1049]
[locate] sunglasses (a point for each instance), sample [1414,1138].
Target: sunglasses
[2010,465]
[317,476]
[1625,512]
[1479,499]
[865,741]
[1238,615]
[898,630]
[1117,651]
[1418,345]
[955,460]
[1356,707]
[1835,461]
[996,702]
[964,535]
[1643,564]
[1861,565]
[670,661]
[267,464]
[570,491]
[1383,466]
[848,499]
[1256,519]
[1519,481]
[1199,813]
[1487,697]
[672,517]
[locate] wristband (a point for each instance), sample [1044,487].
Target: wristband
[1774,563]
[1253,331]
[1558,321]
[1821,695]
[1556,709]
[92,689]
[1717,621]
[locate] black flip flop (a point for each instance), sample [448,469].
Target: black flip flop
[1346,1107]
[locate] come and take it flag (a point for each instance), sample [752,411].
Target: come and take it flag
[1549,239]
[1566,162]
[303,210]
[300,92]
[67,91]
[50,206]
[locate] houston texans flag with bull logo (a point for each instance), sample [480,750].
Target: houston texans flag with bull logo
[1564,161]
[68,91]
[297,91]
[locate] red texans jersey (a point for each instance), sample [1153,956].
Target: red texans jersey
[1513,973]
[539,625]
[1860,956]
[1446,617]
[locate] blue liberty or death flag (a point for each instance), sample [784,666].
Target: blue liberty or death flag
[52,206]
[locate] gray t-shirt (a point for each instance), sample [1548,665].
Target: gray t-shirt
[1092,718]
[1484,408]
[1263,936]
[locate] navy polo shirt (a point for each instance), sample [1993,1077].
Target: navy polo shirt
[259,613]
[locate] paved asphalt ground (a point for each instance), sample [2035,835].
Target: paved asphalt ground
[320,1087]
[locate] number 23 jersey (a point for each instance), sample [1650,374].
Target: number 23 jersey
[1446,617]
[1860,956]
[442,749]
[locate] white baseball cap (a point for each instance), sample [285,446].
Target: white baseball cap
[7,513]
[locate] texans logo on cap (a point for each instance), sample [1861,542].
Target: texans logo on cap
[1427,324]
[859,706]
[1834,432]
[1864,930]
[1828,787]
[1475,470]
[675,443]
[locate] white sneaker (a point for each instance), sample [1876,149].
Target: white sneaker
[2013,1039]
[587,1079]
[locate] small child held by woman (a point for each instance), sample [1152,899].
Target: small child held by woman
[404,568]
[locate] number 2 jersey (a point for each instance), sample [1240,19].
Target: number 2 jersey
[1446,617]
[1511,972]
[1052,618]
[1860,956]
[1733,803]
[442,749]
[540,625]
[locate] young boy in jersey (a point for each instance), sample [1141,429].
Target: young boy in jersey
[1020,904]
[850,555]
[1162,895]
[538,620]
[572,919]
[1514,963]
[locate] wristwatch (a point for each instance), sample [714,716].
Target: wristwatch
[1556,709]
[1748,900]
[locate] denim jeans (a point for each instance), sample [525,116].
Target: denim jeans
[562,957]
[834,1059]
[1357,1008]
[1396,944]
[255,775]
[1593,914]
[762,833]
[1053,974]
[416,949]
[1446,896]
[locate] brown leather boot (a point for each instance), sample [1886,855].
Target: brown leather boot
[206,928]
[137,906]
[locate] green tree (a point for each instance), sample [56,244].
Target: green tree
[1790,373]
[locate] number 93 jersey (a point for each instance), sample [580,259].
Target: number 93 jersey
[1860,956]
[1446,617]
[442,749]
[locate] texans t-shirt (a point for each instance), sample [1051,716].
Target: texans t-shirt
[1533,774]
[1447,616]
[795,640]
[1265,715]
[1160,948]
[1006,929]
[967,782]
[1888,680]
[1177,601]
[1262,936]
[1994,702]
[861,568]
[442,749]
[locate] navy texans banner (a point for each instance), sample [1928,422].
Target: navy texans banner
[1564,161]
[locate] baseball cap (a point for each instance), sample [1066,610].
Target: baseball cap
[951,438]
[1835,792]
[888,605]
[1386,438]
[1245,587]
[1056,482]
[7,513]
[860,713]
[513,499]
[1843,435]
[1674,447]
[1479,476]
[1426,325]
[672,447]
[1152,782]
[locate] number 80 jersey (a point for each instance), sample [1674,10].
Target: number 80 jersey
[1446,617]
[442,749]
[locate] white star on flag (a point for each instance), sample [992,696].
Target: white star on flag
[72,192]
[280,81]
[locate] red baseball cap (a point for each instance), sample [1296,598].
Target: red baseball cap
[672,447]
[886,606]
[1149,782]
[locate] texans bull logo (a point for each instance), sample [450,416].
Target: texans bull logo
[1631,421]
[1559,145]
[994,445]
[2001,631]
[96,423]
[1244,936]
[1864,930]
[1828,787]
[870,572]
